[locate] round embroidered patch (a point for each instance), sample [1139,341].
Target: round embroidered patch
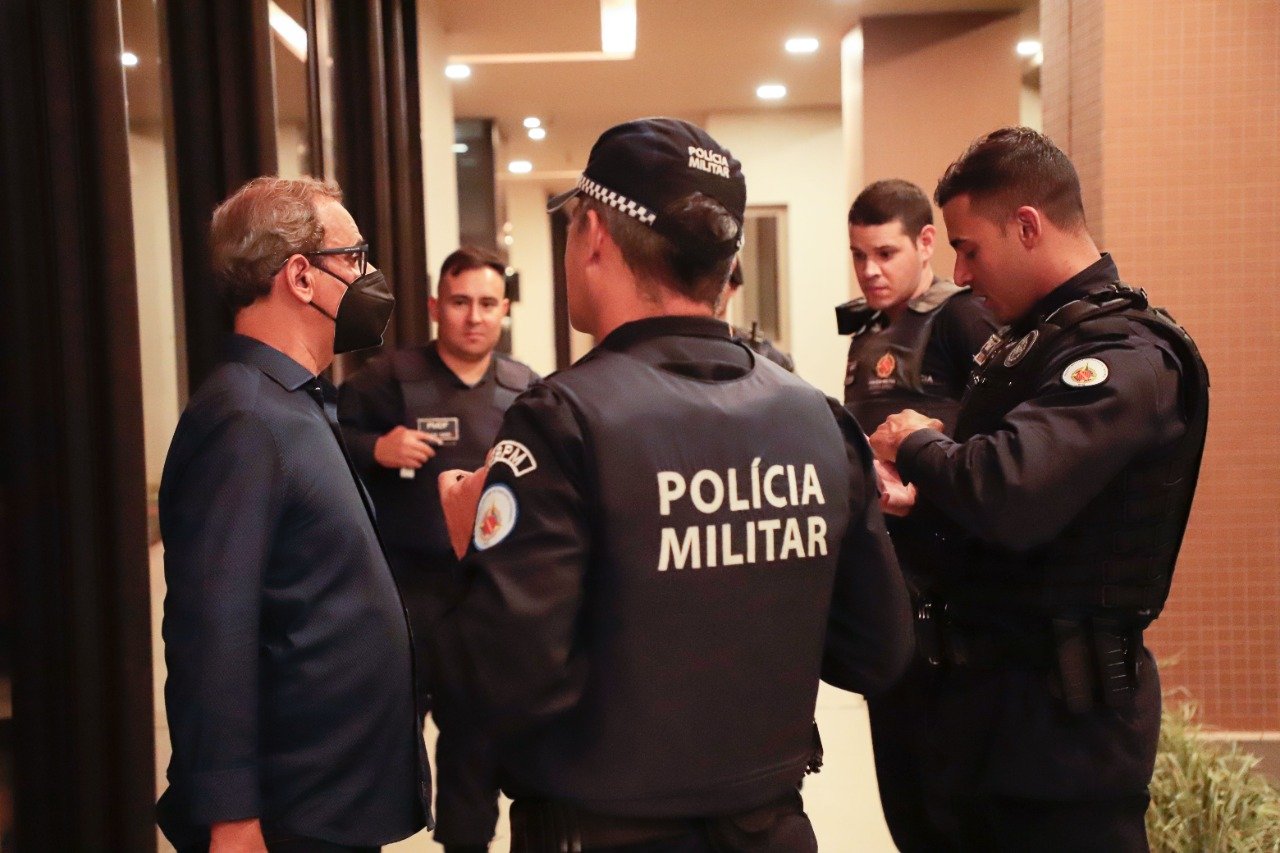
[885,366]
[1085,372]
[495,516]
[1021,348]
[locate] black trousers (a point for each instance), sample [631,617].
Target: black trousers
[897,721]
[1010,824]
[466,806]
[923,817]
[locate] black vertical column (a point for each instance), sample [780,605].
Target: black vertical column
[72,465]
[222,103]
[378,147]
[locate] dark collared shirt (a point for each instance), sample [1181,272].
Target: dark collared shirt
[290,687]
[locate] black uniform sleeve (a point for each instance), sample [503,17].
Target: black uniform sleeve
[869,631]
[961,328]
[370,404]
[221,510]
[510,649]
[1019,486]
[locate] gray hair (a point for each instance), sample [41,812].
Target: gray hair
[257,229]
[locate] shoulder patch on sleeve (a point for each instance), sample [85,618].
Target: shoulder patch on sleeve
[496,516]
[514,455]
[1085,372]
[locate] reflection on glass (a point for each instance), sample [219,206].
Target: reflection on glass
[289,58]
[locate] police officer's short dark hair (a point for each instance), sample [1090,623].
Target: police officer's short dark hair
[890,200]
[1012,167]
[693,267]
[469,258]
[259,227]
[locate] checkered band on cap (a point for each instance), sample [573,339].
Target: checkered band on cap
[616,200]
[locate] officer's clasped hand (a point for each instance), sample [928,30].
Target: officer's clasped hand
[889,436]
[404,448]
[896,498]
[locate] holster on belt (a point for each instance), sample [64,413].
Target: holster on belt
[1096,661]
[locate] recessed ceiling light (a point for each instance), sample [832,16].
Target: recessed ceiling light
[537,134]
[802,44]
[457,71]
[519,167]
[532,122]
[460,148]
[771,92]
[1028,47]
[128,59]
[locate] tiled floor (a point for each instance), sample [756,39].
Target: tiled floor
[841,799]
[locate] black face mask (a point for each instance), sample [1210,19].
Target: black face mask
[363,313]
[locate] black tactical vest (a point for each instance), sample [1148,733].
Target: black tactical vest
[717,509]
[1116,559]
[883,375]
[466,419]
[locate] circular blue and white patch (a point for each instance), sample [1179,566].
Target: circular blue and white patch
[1085,372]
[495,516]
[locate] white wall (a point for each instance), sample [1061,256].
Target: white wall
[157,336]
[440,173]
[796,159]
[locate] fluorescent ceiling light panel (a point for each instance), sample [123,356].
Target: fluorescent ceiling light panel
[802,44]
[537,134]
[617,41]
[457,71]
[771,92]
[618,26]
[129,59]
[1028,47]
[519,167]
[290,32]
[532,122]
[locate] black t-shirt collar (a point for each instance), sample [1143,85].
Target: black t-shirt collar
[653,327]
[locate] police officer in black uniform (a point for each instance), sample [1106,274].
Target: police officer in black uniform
[752,337]
[407,416]
[662,530]
[1060,506]
[914,334]
[914,339]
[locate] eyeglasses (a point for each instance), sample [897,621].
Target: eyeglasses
[360,250]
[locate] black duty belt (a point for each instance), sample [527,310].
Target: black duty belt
[1096,660]
[547,826]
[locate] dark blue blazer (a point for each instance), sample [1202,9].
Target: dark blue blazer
[290,685]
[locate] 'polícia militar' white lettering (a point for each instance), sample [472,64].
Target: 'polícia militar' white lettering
[768,540]
[780,486]
[707,166]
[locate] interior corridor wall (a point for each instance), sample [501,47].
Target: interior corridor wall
[931,84]
[1171,112]
[156,318]
[533,338]
[795,159]
[439,171]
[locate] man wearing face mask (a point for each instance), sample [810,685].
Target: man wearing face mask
[290,674]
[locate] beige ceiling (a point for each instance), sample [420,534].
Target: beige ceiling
[693,58]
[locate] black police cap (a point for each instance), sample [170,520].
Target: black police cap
[645,166]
